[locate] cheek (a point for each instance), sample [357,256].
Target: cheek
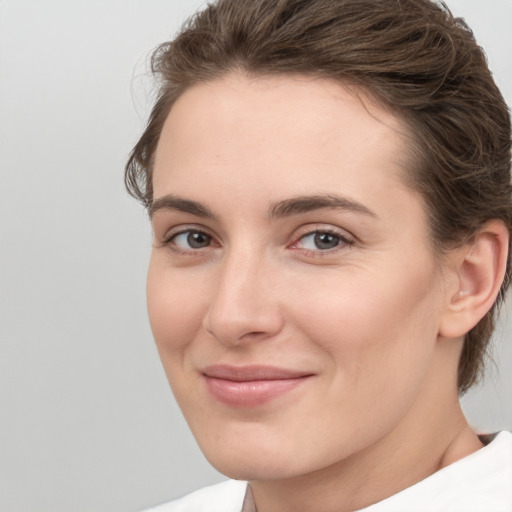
[175,307]
[377,338]
[373,326]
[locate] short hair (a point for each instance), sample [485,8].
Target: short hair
[413,55]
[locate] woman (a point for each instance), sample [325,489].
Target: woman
[329,188]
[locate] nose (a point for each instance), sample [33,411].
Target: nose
[244,305]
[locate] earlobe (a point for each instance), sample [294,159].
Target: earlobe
[480,267]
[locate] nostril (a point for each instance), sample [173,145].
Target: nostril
[254,334]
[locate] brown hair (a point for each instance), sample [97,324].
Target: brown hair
[412,54]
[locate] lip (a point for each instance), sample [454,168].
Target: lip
[251,386]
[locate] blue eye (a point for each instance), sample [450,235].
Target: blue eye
[191,240]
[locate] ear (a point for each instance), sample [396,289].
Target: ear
[479,268]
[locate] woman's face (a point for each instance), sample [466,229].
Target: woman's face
[292,290]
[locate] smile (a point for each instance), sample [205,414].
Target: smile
[250,386]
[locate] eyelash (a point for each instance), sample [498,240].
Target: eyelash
[343,242]
[170,241]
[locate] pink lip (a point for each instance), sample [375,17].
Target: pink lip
[250,386]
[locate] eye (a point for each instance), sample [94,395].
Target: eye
[190,240]
[322,241]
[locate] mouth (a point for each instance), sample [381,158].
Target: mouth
[251,386]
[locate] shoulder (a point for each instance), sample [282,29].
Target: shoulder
[480,482]
[496,460]
[224,497]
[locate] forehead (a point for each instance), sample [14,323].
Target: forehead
[285,133]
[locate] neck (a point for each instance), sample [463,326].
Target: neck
[434,434]
[394,464]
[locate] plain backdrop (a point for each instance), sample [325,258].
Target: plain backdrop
[87,422]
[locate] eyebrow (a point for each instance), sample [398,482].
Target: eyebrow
[305,204]
[170,202]
[279,209]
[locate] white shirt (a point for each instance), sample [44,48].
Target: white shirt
[480,482]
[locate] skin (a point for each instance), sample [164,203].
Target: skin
[366,318]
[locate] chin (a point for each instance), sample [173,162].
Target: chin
[253,470]
[248,463]
[261,459]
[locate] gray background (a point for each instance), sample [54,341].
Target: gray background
[87,422]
